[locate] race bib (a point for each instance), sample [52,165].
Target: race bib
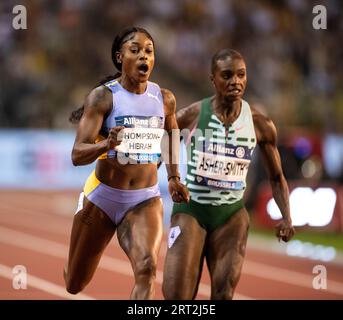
[221,171]
[141,140]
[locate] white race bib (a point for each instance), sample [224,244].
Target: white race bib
[141,140]
[224,168]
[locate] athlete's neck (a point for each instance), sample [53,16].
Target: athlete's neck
[131,85]
[226,110]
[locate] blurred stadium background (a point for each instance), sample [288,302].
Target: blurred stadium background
[295,75]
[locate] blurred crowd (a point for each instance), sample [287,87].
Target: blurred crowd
[295,72]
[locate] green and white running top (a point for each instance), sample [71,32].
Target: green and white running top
[219,156]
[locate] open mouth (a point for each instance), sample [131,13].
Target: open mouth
[143,68]
[234,91]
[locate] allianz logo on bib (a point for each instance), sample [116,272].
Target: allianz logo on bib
[135,121]
[240,152]
[229,150]
[152,122]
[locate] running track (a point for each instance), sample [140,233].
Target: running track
[35,229]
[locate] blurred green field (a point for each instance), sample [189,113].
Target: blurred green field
[323,238]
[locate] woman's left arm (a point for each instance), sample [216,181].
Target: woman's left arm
[171,147]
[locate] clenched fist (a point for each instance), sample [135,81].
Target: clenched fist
[112,139]
[284,230]
[178,191]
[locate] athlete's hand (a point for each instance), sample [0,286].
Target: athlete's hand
[284,230]
[178,191]
[112,140]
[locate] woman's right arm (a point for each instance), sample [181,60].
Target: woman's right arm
[98,103]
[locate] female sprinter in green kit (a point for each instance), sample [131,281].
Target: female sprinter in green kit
[214,224]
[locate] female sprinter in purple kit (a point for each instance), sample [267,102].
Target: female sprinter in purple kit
[121,126]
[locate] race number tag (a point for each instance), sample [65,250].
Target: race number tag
[141,140]
[173,234]
[221,171]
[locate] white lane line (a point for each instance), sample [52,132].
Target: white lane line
[290,277]
[252,268]
[58,204]
[108,263]
[58,250]
[299,279]
[37,212]
[125,268]
[263,244]
[27,222]
[43,285]
[255,242]
[26,241]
